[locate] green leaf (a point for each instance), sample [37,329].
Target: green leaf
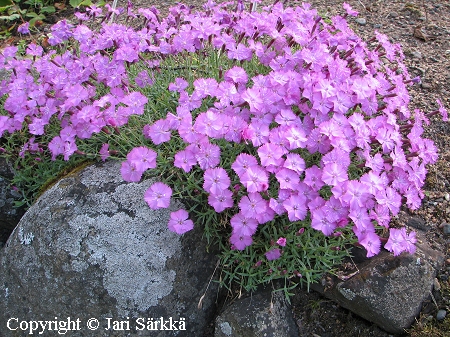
[10,17]
[4,9]
[5,3]
[78,3]
[31,15]
[37,18]
[47,9]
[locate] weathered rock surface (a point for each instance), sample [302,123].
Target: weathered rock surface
[91,248]
[9,215]
[388,291]
[263,314]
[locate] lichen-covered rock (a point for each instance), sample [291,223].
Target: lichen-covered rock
[9,215]
[91,248]
[262,314]
[387,290]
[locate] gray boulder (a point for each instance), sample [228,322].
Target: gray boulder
[262,314]
[386,290]
[90,251]
[9,215]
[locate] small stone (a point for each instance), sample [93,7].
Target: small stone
[447,196]
[377,26]
[422,18]
[436,284]
[441,315]
[15,194]
[416,54]
[393,14]
[446,229]
[426,85]
[361,21]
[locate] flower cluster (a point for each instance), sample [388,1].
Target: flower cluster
[325,124]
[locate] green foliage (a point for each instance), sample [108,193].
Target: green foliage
[80,3]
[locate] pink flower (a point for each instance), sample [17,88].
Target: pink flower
[294,162]
[371,242]
[24,28]
[243,225]
[158,196]
[410,240]
[159,132]
[273,254]
[399,241]
[56,146]
[179,85]
[239,241]
[143,157]
[221,200]
[243,162]
[179,222]
[296,137]
[208,156]
[356,195]
[295,205]
[215,180]
[236,75]
[252,204]
[287,178]
[255,179]
[130,171]
[282,242]
[313,178]
[321,222]
[104,153]
[210,124]
[270,154]
[349,9]
[334,174]
[185,159]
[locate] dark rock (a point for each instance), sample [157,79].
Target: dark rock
[417,223]
[90,247]
[446,229]
[262,314]
[387,290]
[9,215]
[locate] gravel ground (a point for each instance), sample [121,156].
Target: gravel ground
[423,29]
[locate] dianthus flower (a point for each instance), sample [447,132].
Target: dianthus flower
[215,180]
[295,205]
[243,162]
[239,241]
[143,157]
[243,225]
[158,196]
[252,204]
[221,201]
[208,156]
[255,179]
[273,254]
[179,222]
[185,159]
